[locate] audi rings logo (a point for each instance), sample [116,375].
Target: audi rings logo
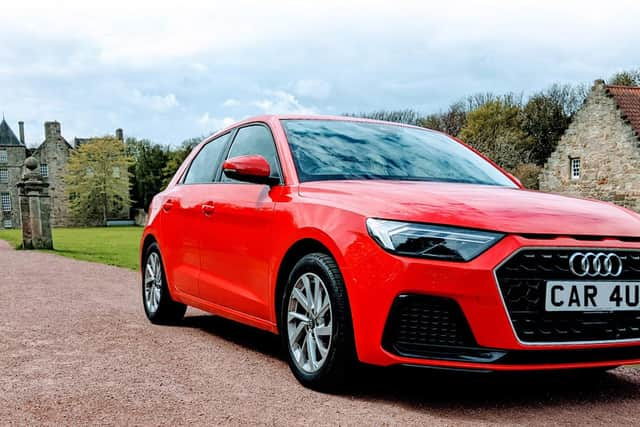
[595,264]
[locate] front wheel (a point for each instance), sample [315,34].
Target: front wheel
[316,324]
[158,305]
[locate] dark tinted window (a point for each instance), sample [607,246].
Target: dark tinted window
[203,168]
[341,150]
[255,140]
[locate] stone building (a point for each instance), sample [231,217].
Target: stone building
[599,154]
[12,155]
[52,154]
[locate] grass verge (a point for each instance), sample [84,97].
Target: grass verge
[107,245]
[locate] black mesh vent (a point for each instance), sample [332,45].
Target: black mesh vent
[523,280]
[422,325]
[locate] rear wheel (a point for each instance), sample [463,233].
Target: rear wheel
[158,305]
[316,324]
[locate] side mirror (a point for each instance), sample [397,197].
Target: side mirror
[516,180]
[254,169]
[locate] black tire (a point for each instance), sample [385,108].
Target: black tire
[168,311]
[340,360]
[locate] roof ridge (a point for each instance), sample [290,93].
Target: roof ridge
[623,87]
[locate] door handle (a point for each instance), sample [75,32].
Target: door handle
[166,206]
[208,209]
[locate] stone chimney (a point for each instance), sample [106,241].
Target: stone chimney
[119,134]
[21,129]
[598,85]
[52,130]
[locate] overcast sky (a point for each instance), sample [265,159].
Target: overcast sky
[170,73]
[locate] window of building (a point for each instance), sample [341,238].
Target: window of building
[5,200]
[44,170]
[116,172]
[3,156]
[4,175]
[7,223]
[575,168]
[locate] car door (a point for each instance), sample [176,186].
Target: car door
[236,239]
[182,216]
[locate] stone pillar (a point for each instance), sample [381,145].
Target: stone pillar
[35,208]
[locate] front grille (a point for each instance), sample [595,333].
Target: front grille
[426,326]
[522,281]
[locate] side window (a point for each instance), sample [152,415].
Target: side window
[255,139]
[203,168]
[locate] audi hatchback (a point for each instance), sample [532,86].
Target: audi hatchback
[366,241]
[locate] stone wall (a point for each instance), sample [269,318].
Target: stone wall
[609,153]
[55,152]
[16,155]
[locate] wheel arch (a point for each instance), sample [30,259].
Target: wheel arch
[297,250]
[146,242]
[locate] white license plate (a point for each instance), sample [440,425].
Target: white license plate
[592,296]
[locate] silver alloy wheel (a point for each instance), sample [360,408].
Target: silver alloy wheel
[152,283]
[309,322]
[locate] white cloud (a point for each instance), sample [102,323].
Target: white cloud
[316,89]
[158,103]
[199,67]
[76,61]
[208,123]
[281,102]
[231,102]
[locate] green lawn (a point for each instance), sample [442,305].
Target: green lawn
[107,245]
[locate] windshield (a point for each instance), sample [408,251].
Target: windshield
[347,150]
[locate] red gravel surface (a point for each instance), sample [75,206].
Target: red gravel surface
[76,349]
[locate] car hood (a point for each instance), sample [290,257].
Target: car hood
[494,208]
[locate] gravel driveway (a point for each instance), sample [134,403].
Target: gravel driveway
[76,349]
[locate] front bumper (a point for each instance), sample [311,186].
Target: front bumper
[375,279]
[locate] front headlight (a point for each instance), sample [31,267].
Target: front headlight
[431,241]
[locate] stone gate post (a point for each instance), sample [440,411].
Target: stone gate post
[35,208]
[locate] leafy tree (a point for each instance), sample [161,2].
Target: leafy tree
[626,78]
[544,120]
[148,163]
[454,118]
[495,129]
[571,97]
[547,115]
[528,174]
[477,100]
[97,181]
[451,121]
[176,157]
[507,129]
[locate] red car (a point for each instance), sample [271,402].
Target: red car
[374,242]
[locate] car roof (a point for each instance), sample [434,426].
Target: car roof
[269,118]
